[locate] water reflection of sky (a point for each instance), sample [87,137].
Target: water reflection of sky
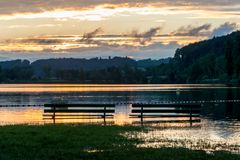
[21,115]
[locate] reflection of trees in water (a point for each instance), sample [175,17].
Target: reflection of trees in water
[221,110]
[237,112]
[232,108]
[229,105]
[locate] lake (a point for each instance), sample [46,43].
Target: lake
[220,122]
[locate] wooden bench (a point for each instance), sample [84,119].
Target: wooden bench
[78,111]
[171,112]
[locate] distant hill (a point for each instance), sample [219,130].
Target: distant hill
[49,67]
[145,63]
[40,66]
[14,63]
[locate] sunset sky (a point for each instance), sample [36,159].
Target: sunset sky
[34,29]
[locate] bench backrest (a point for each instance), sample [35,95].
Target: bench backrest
[78,111]
[166,108]
[147,111]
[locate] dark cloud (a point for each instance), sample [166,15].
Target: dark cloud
[92,38]
[88,37]
[27,6]
[192,31]
[224,29]
[141,38]
[147,36]
[42,41]
[206,30]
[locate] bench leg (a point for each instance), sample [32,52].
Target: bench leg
[191,117]
[54,115]
[191,121]
[142,116]
[104,119]
[54,120]
[104,116]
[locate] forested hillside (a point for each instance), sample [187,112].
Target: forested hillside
[214,60]
[94,70]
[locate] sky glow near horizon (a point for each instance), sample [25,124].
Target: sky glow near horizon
[101,28]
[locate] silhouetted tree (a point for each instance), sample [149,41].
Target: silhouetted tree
[196,73]
[229,59]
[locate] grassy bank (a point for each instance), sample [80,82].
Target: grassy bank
[87,142]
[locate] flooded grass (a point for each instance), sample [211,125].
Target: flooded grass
[92,142]
[185,139]
[209,136]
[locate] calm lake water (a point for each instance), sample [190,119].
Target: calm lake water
[219,128]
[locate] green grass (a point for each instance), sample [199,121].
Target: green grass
[88,142]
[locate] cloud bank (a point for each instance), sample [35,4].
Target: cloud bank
[149,43]
[36,6]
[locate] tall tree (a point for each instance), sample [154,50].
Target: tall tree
[236,55]
[229,59]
